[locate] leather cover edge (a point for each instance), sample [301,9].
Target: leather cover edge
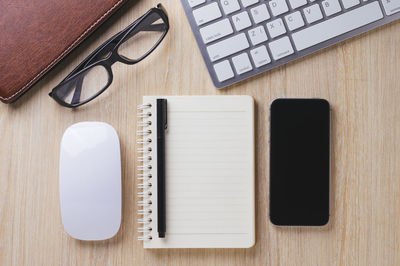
[19,92]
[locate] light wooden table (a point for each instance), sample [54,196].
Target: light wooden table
[360,78]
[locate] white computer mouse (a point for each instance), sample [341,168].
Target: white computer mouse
[90,181]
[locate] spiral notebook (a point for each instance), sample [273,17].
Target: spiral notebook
[207,197]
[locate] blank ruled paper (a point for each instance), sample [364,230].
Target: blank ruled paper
[209,172]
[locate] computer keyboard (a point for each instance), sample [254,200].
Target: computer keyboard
[242,38]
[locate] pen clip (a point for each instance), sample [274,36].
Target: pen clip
[165,112]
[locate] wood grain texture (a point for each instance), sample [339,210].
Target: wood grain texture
[360,78]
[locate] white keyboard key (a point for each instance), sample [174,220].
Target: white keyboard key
[260,13]
[242,63]
[312,13]
[278,7]
[350,3]
[241,21]
[207,13]
[257,35]
[223,70]
[297,3]
[294,20]
[391,6]
[193,3]
[276,28]
[247,3]
[337,26]
[260,56]
[216,30]
[281,48]
[230,6]
[227,47]
[331,7]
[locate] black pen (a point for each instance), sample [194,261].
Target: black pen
[161,128]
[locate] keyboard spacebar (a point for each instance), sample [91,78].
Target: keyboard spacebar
[336,26]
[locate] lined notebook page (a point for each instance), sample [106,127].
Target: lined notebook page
[209,172]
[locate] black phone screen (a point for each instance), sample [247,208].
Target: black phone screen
[299,162]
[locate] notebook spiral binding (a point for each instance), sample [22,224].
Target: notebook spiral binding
[144,175]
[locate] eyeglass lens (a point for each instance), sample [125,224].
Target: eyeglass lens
[143,38]
[84,86]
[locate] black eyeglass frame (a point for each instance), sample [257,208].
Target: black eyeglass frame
[110,49]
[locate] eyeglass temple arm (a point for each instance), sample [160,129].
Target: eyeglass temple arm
[77,84]
[108,46]
[78,91]
[110,43]
[102,49]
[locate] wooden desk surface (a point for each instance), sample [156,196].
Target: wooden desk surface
[360,78]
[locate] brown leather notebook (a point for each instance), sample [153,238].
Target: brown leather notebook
[36,34]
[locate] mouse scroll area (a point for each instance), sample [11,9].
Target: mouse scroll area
[90,181]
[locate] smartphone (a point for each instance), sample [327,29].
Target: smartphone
[299,162]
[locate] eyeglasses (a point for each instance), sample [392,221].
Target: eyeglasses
[131,45]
